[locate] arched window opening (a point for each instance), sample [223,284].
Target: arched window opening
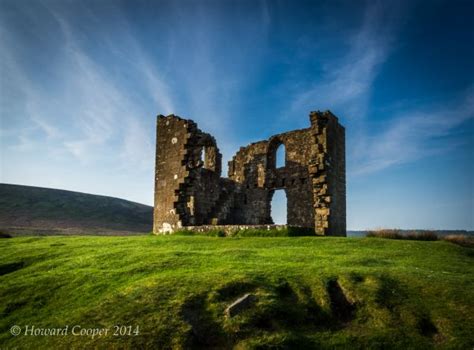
[279,207]
[280,156]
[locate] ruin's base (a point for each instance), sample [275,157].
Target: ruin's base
[229,230]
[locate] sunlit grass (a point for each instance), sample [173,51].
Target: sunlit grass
[397,293]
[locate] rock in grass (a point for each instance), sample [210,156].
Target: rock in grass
[240,305]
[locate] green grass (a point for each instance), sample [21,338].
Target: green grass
[312,292]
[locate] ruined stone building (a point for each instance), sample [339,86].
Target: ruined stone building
[189,189]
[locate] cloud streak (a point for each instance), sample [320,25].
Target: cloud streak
[110,114]
[346,84]
[347,81]
[346,87]
[415,134]
[93,112]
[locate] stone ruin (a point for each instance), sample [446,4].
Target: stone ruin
[190,192]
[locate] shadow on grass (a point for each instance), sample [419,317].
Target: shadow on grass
[12,267]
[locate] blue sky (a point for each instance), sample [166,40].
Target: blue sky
[82,82]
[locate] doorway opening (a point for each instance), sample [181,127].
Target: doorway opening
[279,207]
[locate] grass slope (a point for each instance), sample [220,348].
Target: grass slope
[312,292]
[26,209]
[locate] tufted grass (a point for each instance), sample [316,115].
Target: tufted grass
[312,292]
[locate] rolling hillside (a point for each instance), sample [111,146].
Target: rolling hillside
[172,292]
[36,210]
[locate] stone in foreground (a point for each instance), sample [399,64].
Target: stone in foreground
[240,305]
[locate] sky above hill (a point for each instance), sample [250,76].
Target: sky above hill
[82,83]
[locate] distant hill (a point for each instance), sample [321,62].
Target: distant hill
[36,210]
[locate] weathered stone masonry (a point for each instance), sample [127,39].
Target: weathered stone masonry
[189,189]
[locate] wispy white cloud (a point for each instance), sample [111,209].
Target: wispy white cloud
[108,111]
[139,61]
[346,82]
[346,87]
[415,134]
[13,78]
[91,112]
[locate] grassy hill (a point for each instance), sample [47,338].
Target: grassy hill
[309,292]
[26,210]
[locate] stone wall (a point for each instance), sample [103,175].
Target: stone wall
[189,189]
[229,230]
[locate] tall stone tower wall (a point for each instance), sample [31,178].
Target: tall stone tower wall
[187,174]
[328,173]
